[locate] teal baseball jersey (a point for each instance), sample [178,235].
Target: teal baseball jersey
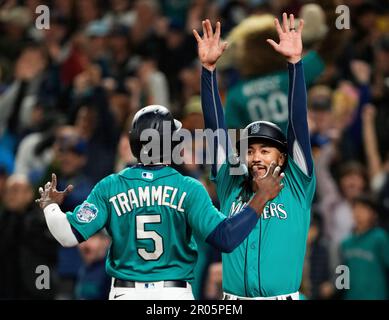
[270,261]
[266,97]
[367,257]
[150,215]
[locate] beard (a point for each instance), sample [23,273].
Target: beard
[262,169]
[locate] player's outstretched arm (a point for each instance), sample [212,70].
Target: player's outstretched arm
[291,47]
[232,231]
[56,220]
[210,49]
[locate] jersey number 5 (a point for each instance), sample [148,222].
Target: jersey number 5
[141,233]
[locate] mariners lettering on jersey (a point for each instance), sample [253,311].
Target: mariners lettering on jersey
[271,209]
[147,196]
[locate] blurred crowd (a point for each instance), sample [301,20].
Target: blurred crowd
[68,94]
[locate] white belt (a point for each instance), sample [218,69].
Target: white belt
[289,296]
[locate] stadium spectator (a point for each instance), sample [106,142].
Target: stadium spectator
[69,161]
[18,100]
[378,168]
[92,282]
[15,22]
[35,151]
[366,252]
[25,244]
[320,117]
[316,274]
[335,198]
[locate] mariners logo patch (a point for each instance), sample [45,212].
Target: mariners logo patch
[255,128]
[87,212]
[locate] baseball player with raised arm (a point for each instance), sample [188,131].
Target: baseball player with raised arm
[150,212]
[269,262]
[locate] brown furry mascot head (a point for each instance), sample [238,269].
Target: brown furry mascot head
[252,55]
[248,50]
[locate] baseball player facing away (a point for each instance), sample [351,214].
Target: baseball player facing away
[150,212]
[269,263]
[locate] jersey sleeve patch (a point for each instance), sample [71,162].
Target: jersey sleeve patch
[87,212]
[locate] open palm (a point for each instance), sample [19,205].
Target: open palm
[49,194]
[290,45]
[210,48]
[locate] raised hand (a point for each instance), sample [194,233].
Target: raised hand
[50,194]
[210,48]
[291,44]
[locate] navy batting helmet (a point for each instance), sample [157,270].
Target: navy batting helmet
[151,117]
[264,130]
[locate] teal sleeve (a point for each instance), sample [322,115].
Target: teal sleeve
[313,67]
[203,217]
[92,215]
[302,186]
